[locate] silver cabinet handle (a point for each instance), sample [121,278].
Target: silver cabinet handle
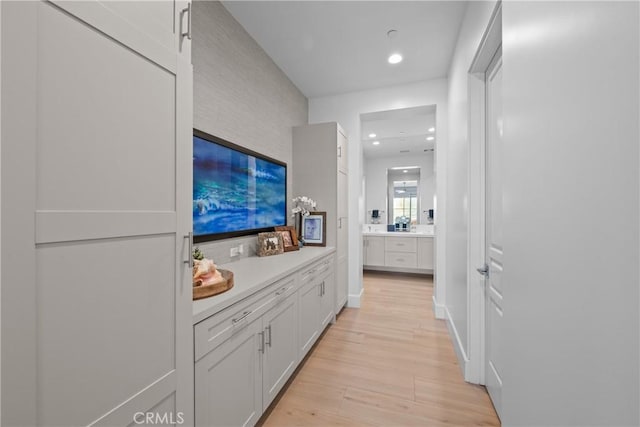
[484,270]
[340,151]
[190,259]
[281,291]
[268,328]
[261,348]
[186,10]
[244,315]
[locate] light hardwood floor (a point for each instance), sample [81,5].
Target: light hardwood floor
[389,363]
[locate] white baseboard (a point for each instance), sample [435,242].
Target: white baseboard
[438,309]
[354,300]
[463,360]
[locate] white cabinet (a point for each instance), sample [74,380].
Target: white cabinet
[280,328]
[408,253]
[245,353]
[309,314]
[107,83]
[374,251]
[316,303]
[327,298]
[342,151]
[320,171]
[228,386]
[425,253]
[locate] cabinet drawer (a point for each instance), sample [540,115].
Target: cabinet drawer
[215,330]
[401,259]
[400,244]
[317,269]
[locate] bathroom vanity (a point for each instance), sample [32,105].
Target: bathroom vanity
[399,251]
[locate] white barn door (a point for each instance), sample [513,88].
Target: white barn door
[96,190]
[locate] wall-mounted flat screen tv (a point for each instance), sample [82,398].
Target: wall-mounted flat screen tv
[236,192]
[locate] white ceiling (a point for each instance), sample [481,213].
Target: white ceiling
[400,132]
[331,47]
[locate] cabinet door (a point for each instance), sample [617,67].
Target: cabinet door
[342,284]
[425,253]
[281,347]
[342,151]
[375,251]
[309,315]
[327,298]
[96,300]
[228,381]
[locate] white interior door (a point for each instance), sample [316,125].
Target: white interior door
[96,184]
[493,230]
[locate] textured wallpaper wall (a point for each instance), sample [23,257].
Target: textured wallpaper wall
[240,95]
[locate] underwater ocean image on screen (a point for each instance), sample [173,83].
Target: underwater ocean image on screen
[233,191]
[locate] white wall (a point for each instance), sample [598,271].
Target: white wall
[240,94]
[474,24]
[346,110]
[571,236]
[375,175]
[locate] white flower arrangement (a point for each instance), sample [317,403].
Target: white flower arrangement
[303,205]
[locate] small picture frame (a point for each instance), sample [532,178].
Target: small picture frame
[270,244]
[289,238]
[314,230]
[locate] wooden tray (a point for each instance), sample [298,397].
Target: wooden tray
[200,292]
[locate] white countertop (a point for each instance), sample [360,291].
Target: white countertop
[252,274]
[396,234]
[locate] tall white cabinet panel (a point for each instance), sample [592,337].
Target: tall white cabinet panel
[96,167]
[320,172]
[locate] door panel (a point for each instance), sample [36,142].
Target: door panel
[103,93]
[281,347]
[76,115]
[229,381]
[494,252]
[133,351]
[309,315]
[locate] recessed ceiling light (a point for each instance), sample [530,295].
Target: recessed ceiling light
[405,171]
[376,142]
[432,129]
[430,138]
[372,135]
[395,58]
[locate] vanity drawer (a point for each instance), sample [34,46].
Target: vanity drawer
[401,259]
[400,244]
[215,330]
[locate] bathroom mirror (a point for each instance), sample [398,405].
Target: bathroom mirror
[403,196]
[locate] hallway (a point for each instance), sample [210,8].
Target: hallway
[389,363]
